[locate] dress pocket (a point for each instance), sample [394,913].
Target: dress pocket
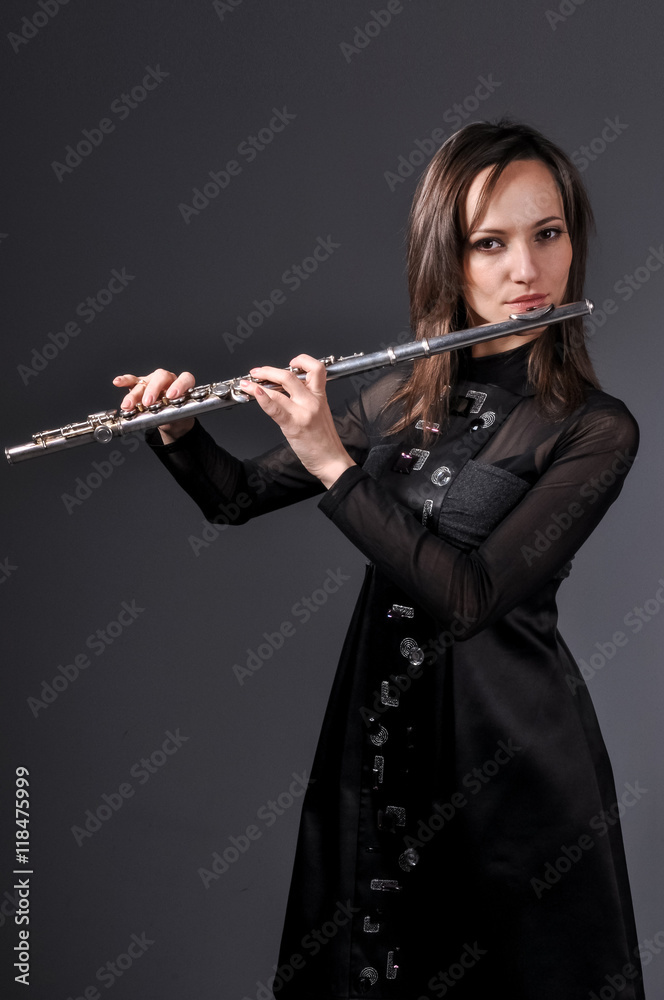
[478,499]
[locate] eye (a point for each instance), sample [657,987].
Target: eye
[550,234]
[485,244]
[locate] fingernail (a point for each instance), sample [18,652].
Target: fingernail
[148,399]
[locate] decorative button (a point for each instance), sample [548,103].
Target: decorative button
[485,420]
[391,817]
[386,698]
[392,967]
[369,927]
[408,859]
[422,456]
[385,885]
[380,737]
[400,611]
[404,463]
[441,476]
[378,771]
[427,510]
[479,397]
[421,425]
[368,978]
[411,651]
[406,645]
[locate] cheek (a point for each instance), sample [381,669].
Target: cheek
[477,274]
[564,263]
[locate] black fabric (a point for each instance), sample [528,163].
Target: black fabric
[485,759]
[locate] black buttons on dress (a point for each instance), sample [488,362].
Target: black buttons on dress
[408,859]
[404,463]
[368,977]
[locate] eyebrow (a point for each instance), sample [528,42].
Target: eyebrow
[542,222]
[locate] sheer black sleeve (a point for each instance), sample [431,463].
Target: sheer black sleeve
[591,457]
[230,490]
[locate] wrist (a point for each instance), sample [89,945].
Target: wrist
[333,470]
[171,432]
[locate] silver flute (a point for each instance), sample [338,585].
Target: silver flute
[104,426]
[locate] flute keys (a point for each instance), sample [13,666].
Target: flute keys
[102,434]
[221,389]
[199,392]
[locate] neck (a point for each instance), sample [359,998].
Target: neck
[502,344]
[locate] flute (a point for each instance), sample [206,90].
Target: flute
[104,426]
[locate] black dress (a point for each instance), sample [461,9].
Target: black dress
[460,835]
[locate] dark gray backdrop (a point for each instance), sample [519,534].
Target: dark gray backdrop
[354,108]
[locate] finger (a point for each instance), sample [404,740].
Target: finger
[147,389]
[270,400]
[315,369]
[281,376]
[157,383]
[130,400]
[183,382]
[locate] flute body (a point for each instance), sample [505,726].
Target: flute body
[102,427]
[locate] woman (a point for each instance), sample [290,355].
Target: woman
[456,833]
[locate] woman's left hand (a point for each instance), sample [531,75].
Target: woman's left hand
[303,415]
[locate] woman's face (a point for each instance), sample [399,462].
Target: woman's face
[519,253]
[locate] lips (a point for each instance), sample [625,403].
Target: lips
[527,302]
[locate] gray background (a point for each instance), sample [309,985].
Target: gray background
[67,571]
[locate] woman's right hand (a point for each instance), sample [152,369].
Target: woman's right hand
[146,389]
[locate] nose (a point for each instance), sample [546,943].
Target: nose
[523,263]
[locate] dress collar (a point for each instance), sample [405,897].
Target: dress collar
[508,369]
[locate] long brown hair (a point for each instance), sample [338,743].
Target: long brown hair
[559,366]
